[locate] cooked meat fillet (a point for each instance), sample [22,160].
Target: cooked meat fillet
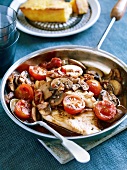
[83,123]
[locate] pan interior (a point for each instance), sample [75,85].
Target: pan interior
[88,57]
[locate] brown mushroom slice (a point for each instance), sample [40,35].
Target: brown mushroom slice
[44,87]
[78,63]
[25,78]
[83,84]
[120,113]
[95,71]
[8,97]
[73,70]
[38,97]
[114,74]
[44,108]
[110,97]
[61,83]
[76,87]
[11,83]
[117,87]
[108,76]
[22,78]
[12,104]
[57,98]
[35,115]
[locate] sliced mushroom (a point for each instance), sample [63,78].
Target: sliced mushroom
[78,63]
[114,74]
[73,70]
[57,98]
[22,78]
[117,116]
[42,105]
[95,71]
[75,87]
[105,95]
[88,76]
[83,84]
[44,87]
[46,111]
[110,97]
[12,104]
[38,97]
[65,61]
[61,83]
[109,76]
[35,115]
[117,88]
[48,79]
[25,77]
[11,84]
[8,97]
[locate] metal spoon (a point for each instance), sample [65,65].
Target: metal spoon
[80,154]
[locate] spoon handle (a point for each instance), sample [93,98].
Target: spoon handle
[80,154]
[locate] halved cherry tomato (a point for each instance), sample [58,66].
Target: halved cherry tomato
[54,63]
[22,67]
[37,72]
[73,104]
[105,110]
[22,109]
[24,91]
[94,86]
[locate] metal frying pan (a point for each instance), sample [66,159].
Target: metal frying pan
[87,55]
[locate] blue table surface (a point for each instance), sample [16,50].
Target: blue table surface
[19,150]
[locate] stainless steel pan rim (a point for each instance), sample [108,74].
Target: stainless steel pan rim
[42,51]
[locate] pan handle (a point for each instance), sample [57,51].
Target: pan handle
[119,9]
[116,14]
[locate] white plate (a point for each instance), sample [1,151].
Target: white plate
[25,26]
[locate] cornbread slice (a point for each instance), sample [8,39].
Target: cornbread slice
[47,10]
[79,6]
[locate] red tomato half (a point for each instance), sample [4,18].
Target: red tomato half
[54,63]
[24,91]
[22,109]
[73,104]
[94,86]
[38,73]
[105,110]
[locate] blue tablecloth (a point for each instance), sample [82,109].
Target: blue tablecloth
[20,151]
